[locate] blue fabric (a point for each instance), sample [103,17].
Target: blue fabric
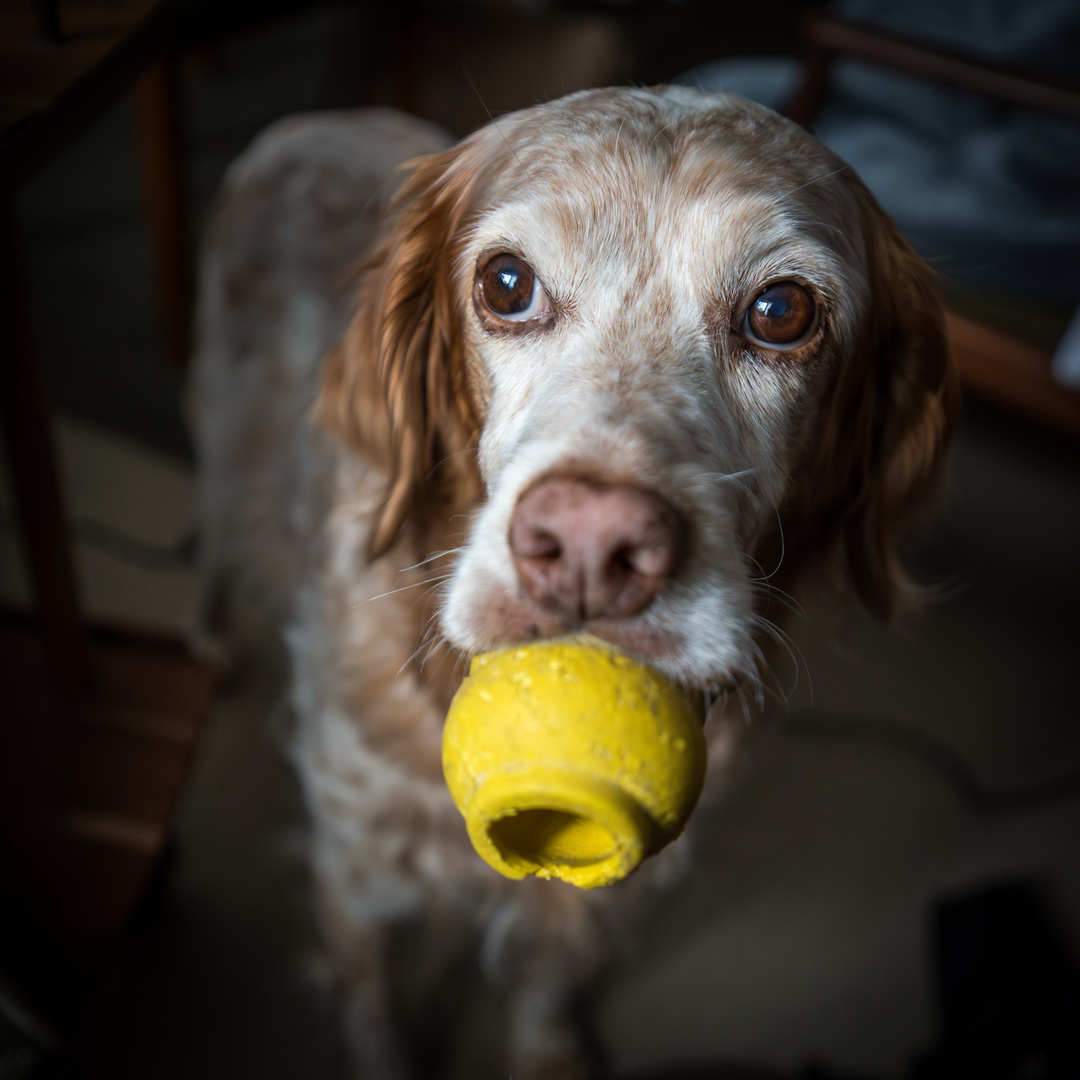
[989,194]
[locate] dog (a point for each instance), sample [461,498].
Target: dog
[631,362]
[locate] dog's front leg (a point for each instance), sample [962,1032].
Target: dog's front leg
[543,946]
[373,1034]
[545,1037]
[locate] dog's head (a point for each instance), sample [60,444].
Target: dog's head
[644,335]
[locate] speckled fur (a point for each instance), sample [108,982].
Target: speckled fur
[652,218]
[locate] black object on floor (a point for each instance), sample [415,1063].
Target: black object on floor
[1009,992]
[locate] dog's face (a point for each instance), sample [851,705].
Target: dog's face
[665,328]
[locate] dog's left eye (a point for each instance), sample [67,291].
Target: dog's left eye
[782,316]
[510,290]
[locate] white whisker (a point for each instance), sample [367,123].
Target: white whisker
[827,225]
[818,179]
[425,584]
[431,558]
[389,592]
[783,548]
[774,592]
[740,690]
[661,132]
[494,122]
[794,653]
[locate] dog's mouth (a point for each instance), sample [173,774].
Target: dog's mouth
[522,624]
[694,626]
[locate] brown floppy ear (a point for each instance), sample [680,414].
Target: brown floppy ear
[888,417]
[907,423]
[394,389]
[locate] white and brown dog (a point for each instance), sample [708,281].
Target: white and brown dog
[609,358]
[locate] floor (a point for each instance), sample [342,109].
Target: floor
[804,933]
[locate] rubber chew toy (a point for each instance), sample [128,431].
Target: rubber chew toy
[571,760]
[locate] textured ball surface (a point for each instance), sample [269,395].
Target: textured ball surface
[571,759]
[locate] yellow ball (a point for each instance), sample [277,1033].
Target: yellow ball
[571,760]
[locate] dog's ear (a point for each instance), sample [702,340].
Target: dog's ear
[887,418]
[394,389]
[901,430]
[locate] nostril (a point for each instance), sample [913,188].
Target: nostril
[590,550]
[532,543]
[654,559]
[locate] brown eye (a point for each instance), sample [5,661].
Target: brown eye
[783,315]
[510,290]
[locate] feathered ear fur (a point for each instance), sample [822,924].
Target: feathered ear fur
[395,389]
[888,418]
[917,398]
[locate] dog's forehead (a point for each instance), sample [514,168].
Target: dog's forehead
[718,187]
[701,142]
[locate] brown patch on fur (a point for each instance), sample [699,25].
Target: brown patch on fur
[402,725]
[878,450]
[395,389]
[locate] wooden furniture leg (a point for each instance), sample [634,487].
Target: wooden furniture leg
[97,724]
[160,143]
[25,420]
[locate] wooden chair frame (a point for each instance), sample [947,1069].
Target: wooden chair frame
[994,365]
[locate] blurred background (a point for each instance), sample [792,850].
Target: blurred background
[154,902]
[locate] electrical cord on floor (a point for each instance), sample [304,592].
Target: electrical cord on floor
[894,734]
[124,547]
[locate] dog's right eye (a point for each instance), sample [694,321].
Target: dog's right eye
[509,289]
[783,316]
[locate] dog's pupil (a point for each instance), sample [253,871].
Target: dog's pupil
[509,278]
[782,313]
[513,282]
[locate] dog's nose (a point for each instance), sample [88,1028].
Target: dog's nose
[585,549]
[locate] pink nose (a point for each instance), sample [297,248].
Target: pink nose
[585,549]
